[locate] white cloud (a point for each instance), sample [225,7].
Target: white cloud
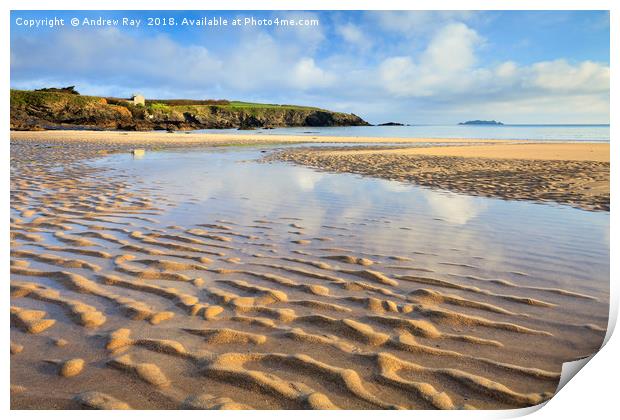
[353,34]
[560,76]
[307,74]
[506,70]
[444,65]
[110,57]
[452,49]
[447,71]
[157,64]
[414,22]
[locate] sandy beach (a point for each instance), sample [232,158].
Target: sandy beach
[188,137]
[576,174]
[509,150]
[116,304]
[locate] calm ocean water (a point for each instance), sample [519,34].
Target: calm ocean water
[599,133]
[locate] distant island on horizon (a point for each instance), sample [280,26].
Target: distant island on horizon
[391,124]
[481,122]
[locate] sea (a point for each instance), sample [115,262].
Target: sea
[538,132]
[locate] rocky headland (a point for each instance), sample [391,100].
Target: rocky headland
[48,110]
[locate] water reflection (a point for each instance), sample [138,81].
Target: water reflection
[556,243]
[454,208]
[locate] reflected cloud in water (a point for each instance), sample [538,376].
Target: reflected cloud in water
[380,215]
[455,208]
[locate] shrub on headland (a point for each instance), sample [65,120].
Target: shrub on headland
[69,89]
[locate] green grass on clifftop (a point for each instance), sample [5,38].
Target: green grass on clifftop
[38,98]
[29,97]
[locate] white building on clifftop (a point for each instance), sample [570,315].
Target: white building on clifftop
[137,99]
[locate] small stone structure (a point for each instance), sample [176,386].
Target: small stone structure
[137,99]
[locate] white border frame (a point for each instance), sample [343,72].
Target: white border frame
[593,394]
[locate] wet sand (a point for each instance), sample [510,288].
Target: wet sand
[189,138]
[576,174]
[110,308]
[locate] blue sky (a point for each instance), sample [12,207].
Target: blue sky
[415,67]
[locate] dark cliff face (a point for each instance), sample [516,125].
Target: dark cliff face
[53,110]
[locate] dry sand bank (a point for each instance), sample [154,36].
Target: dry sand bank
[590,152]
[576,174]
[110,308]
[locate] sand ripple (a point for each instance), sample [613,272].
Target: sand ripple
[258,313]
